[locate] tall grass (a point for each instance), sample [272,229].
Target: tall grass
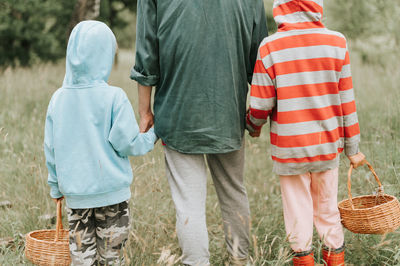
[25,93]
[24,96]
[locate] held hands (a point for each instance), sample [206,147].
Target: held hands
[145,113]
[252,132]
[146,121]
[357,159]
[255,134]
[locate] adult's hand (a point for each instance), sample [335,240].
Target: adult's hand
[357,159]
[255,134]
[145,113]
[146,122]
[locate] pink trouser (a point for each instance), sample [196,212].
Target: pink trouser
[308,199]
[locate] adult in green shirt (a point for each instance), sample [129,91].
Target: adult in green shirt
[200,55]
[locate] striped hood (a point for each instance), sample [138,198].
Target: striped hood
[298,14]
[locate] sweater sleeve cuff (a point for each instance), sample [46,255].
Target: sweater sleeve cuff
[351,149]
[152,135]
[250,126]
[55,193]
[150,80]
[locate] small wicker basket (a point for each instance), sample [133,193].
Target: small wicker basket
[49,247]
[372,214]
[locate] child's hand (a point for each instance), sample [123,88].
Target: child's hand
[252,132]
[255,134]
[55,200]
[357,159]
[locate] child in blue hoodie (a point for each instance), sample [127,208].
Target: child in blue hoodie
[90,132]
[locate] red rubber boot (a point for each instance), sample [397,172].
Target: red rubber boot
[332,258]
[304,260]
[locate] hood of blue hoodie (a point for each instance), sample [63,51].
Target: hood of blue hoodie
[90,55]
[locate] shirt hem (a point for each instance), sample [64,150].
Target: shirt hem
[98,200]
[301,168]
[204,150]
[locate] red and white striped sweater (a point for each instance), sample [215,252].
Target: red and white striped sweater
[302,81]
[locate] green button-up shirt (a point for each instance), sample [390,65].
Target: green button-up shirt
[200,56]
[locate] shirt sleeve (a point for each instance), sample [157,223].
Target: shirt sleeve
[52,179]
[262,97]
[260,31]
[146,70]
[124,135]
[351,127]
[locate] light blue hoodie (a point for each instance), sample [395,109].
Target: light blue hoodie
[90,126]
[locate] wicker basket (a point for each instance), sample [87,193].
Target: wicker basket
[49,247]
[372,214]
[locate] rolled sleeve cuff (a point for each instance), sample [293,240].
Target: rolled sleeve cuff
[351,149]
[55,193]
[152,134]
[250,126]
[150,80]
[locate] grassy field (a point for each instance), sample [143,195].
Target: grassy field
[25,93]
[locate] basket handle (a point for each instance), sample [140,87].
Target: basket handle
[59,225]
[349,182]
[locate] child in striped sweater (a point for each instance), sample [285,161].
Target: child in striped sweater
[302,81]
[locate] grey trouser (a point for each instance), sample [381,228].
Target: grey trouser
[97,235]
[187,177]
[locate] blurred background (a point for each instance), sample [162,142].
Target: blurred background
[33,31]
[33,39]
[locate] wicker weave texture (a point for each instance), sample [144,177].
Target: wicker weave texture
[49,247]
[371,214]
[41,249]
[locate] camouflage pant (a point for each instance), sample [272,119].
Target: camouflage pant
[98,235]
